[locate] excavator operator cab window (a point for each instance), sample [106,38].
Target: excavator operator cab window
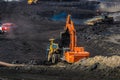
[65,39]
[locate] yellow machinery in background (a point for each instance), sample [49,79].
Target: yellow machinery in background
[32,1]
[103,19]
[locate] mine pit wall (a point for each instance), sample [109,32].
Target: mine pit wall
[109,6]
[76,13]
[78,10]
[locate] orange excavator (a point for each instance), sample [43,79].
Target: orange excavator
[68,49]
[74,53]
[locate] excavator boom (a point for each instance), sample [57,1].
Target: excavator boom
[70,27]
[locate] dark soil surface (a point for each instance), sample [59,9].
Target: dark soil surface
[30,39]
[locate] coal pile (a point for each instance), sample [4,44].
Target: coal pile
[29,41]
[34,30]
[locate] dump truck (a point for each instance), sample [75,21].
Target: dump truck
[67,48]
[102,19]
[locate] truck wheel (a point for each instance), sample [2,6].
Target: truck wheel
[54,58]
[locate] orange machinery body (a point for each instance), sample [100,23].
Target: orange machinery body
[75,53]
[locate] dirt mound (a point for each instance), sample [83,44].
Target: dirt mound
[101,61]
[107,68]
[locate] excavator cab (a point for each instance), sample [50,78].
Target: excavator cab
[64,39]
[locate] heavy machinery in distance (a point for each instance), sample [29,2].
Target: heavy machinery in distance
[32,1]
[7,27]
[101,19]
[67,48]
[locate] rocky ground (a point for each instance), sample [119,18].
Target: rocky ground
[30,39]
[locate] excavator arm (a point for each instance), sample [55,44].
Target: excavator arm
[72,32]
